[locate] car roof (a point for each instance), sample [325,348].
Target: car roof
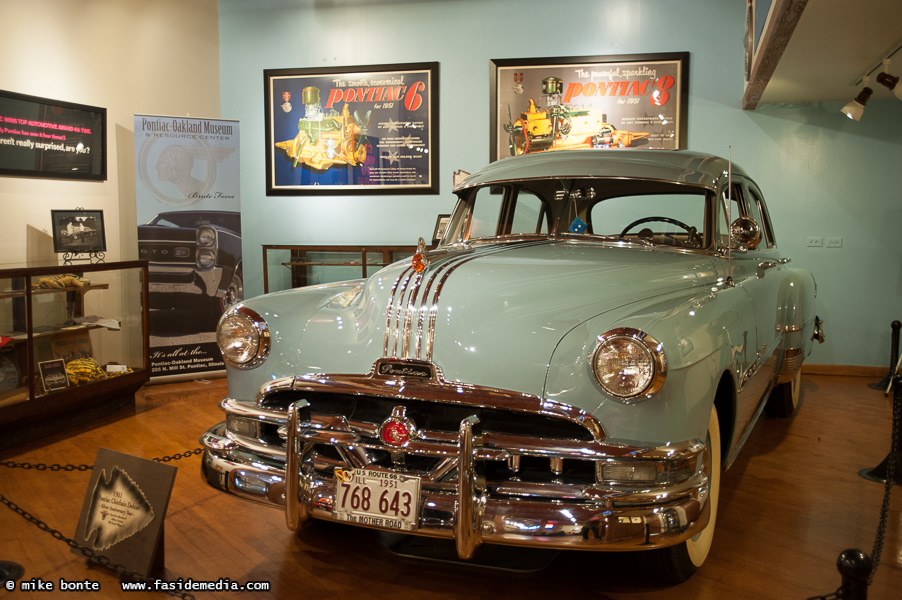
[198,212]
[680,166]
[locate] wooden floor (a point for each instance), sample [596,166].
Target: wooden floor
[792,502]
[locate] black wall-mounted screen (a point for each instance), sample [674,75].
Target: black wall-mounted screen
[40,137]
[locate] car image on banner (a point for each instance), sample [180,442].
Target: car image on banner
[195,258]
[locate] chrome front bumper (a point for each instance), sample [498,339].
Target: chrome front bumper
[601,519]
[185,279]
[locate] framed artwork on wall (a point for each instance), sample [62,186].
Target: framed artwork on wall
[352,130]
[78,231]
[548,104]
[55,139]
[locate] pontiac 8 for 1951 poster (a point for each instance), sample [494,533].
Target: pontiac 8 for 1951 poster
[352,129]
[548,104]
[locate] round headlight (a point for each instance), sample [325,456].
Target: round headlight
[206,259]
[243,338]
[206,236]
[628,364]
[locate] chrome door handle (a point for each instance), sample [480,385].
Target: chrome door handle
[764,266]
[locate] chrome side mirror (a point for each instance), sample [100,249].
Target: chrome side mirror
[746,232]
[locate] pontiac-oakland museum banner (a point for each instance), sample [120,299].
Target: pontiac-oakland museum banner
[189,228]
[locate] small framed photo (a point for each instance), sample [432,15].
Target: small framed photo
[78,231]
[441,224]
[53,374]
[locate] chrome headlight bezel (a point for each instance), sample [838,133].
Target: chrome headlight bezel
[206,258]
[243,338]
[206,237]
[611,378]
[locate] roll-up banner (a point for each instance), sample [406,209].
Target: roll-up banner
[189,229]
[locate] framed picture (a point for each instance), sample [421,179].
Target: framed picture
[352,130]
[548,104]
[78,231]
[40,137]
[53,374]
[441,224]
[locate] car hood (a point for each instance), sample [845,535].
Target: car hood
[491,315]
[150,233]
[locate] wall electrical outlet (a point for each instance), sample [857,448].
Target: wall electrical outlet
[814,242]
[834,242]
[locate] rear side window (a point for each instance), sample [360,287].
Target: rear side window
[758,212]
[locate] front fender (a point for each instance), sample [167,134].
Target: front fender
[703,335]
[287,314]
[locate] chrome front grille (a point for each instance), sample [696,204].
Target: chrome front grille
[524,446]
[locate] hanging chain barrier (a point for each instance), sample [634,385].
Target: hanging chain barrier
[90,555]
[890,477]
[857,568]
[55,467]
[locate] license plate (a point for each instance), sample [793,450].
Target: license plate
[376,498]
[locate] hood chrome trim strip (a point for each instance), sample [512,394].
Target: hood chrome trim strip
[405,298]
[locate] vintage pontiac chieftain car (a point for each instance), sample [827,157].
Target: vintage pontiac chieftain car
[572,367]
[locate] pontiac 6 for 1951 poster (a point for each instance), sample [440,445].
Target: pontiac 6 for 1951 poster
[347,130]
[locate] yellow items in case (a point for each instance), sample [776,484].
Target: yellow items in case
[84,370]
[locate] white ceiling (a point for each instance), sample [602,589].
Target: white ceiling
[833,45]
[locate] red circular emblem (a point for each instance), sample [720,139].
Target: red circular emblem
[394,433]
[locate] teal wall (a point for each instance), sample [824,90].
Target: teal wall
[823,175]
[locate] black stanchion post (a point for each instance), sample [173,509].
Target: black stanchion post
[882,472]
[893,358]
[10,571]
[855,567]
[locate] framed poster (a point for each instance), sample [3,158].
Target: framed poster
[78,231]
[352,130]
[53,375]
[548,104]
[40,137]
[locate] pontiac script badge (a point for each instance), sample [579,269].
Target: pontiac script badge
[405,369]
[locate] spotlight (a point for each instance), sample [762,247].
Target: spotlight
[855,108]
[892,82]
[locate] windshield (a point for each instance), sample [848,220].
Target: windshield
[641,211]
[226,220]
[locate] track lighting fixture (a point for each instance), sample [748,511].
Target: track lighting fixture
[892,82]
[855,108]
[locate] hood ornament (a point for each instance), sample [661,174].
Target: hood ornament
[420,262]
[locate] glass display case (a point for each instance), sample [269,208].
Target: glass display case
[73,344]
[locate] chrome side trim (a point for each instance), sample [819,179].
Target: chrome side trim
[791,363]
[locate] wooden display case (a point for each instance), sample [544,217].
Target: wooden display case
[312,265]
[73,344]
